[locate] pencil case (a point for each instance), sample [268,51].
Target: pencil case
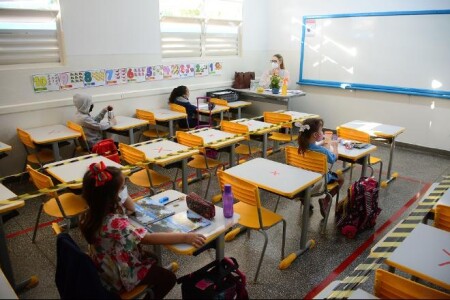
[199,205]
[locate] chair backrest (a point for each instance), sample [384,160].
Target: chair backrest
[189,140]
[391,286]
[242,190]
[41,181]
[311,160]
[78,128]
[235,128]
[177,107]
[132,155]
[25,138]
[353,134]
[219,101]
[277,118]
[442,217]
[146,115]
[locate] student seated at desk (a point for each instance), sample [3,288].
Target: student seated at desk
[277,68]
[115,244]
[92,125]
[311,137]
[180,96]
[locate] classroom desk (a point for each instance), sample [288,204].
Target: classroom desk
[73,169]
[164,152]
[267,96]
[167,115]
[52,134]
[259,128]
[238,105]
[3,149]
[354,155]
[127,125]
[218,109]
[297,116]
[379,131]
[5,261]
[425,254]
[214,233]
[283,180]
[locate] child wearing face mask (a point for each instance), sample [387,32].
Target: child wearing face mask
[115,243]
[311,138]
[277,68]
[180,96]
[92,126]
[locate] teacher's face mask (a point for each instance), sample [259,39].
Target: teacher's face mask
[275,65]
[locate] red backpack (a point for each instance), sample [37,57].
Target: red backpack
[108,149]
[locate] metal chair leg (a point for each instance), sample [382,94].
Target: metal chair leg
[325,220]
[209,182]
[276,205]
[37,222]
[379,175]
[284,239]
[266,239]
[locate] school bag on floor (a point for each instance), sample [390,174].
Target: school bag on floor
[359,211]
[217,280]
[108,149]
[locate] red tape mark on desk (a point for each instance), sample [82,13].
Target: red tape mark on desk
[275,173]
[447,262]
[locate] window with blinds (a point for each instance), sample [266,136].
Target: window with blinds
[29,32]
[200,28]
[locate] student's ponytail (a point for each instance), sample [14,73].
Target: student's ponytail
[307,128]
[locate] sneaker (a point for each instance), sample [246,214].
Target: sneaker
[324,203]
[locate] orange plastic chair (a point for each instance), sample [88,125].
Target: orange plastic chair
[82,146]
[67,205]
[252,214]
[391,286]
[236,128]
[180,109]
[278,118]
[315,162]
[146,177]
[362,137]
[152,132]
[442,217]
[221,102]
[35,155]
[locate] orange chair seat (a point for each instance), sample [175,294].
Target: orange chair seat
[249,216]
[140,178]
[374,160]
[282,137]
[152,133]
[243,150]
[44,155]
[72,204]
[199,162]
[331,186]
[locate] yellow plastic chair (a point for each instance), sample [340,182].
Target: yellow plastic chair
[146,177]
[442,217]
[199,161]
[252,214]
[236,128]
[221,102]
[362,137]
[82,146]
[391,286]
[180,109]
[277,118]
[315,162]
[67,205]
[35,155]
[152,132]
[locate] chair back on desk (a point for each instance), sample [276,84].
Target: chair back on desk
[82,139]
[442,217]
[180,109]
[277,118]
[189,140]
[152,131]
[310,160]
[34,154]
[235,128]
[353,134]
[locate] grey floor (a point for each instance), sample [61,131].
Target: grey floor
[417,171]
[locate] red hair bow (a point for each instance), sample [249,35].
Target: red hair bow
[99,173]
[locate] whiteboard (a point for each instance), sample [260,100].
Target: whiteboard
[396,52]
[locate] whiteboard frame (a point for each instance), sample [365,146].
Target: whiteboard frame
[369,87]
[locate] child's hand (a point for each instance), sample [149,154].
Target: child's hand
[109,108]
[113,121]
[196,240]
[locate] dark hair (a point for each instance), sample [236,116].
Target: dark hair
[305,135]
[177,92]
[101,200]
[280,58]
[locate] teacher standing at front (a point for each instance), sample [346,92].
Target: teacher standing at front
[277,68]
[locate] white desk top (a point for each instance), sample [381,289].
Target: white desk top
[296,115]
[203,108]
[268,93]
[163,148]
[5,204]
[236,104]
[4,147]
[66,171]
[254,125]
[425,253]
[52,133]
[211,136]
[125,123]
[218,225]
[355,154]
[276,177]
[375,129]
[164,114]
[5,193]
[357,294]
[6,290]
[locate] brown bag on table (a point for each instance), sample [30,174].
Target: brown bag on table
[242,80]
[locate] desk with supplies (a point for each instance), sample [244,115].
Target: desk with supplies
[283,180]
[52,134]
[126,126]
[267,96]
[355,155]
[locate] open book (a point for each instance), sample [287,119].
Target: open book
[149,211]
[184,221]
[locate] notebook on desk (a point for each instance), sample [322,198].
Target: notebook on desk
[149,211]
[184,221]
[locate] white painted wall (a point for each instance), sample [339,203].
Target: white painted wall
[427,120]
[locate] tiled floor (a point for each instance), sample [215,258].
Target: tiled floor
[333,257]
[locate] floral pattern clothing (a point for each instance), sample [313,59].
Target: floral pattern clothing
[117,253]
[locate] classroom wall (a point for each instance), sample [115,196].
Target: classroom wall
[112,34]
[426,119]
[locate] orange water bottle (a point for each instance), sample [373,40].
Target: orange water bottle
[284,87]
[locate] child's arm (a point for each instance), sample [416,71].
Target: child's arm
[101,115]
[91,123]
[129,205]
[161,238]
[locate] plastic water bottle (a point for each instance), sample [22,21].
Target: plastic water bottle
[228,201]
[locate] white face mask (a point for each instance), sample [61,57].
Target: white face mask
[123,194]
[275,65]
